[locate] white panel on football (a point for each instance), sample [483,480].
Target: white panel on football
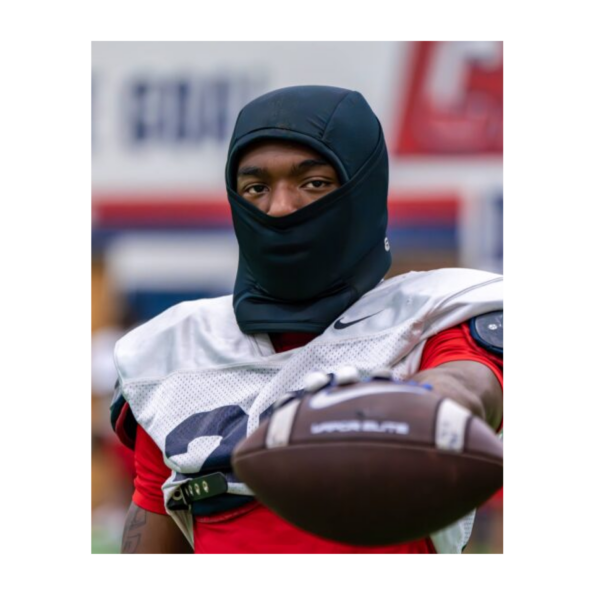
[281,424]
[451,420]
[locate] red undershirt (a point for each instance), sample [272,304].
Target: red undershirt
[254,528]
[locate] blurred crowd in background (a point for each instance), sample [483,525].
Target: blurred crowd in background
[163,113]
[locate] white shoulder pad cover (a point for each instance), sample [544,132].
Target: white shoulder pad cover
[202,331]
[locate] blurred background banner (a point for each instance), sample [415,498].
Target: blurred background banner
[162,116]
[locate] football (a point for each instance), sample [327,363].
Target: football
[370,462]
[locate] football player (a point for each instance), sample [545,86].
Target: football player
[307,181]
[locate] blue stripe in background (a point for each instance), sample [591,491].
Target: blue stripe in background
[423,238]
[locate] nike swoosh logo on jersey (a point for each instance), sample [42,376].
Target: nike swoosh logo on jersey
[341,325]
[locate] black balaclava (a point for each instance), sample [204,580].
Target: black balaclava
[302,271]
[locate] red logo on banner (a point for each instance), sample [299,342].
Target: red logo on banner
[453,103]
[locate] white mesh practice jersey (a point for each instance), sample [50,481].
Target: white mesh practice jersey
[198,385]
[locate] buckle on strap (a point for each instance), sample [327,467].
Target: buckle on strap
[197,489]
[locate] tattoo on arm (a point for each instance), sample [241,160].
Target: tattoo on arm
[133,530]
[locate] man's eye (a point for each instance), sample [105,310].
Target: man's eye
[256,189]
[317,183]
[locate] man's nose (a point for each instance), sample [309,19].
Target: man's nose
[284,200]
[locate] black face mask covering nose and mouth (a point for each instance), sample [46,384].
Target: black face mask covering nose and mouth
[302,271]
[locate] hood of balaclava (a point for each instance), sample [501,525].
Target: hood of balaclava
[301,271]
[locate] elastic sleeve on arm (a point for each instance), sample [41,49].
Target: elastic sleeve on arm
[151,473]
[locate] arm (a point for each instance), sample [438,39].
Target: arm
[464,371]
[470,384]
[149,529]
[151,533]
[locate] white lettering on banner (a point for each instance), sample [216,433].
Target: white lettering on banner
[450,68]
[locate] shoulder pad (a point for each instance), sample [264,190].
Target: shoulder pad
[488,331]
[121,418]
[158,347]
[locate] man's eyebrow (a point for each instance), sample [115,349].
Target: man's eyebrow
[261,172]
[308,164]
[251,170]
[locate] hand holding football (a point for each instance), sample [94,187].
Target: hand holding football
[370,463]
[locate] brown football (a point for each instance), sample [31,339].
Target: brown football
[371,463]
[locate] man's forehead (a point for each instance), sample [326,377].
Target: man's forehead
[279,147]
